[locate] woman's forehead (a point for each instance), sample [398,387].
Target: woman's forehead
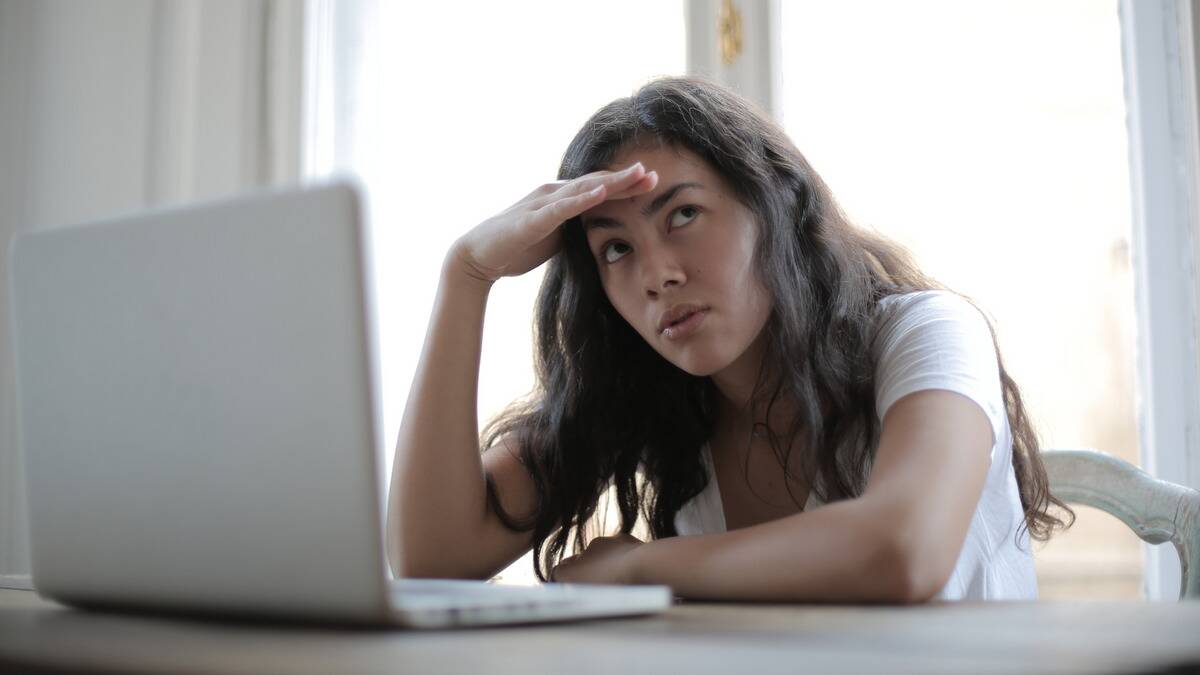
[679,173]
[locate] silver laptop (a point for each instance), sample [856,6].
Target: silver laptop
[198,404]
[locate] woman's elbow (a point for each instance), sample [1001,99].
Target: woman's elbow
[897,562]
[920,575]
[917,589]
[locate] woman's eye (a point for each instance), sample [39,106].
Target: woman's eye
[611,254]
[688,213]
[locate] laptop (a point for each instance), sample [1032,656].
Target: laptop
[198,404]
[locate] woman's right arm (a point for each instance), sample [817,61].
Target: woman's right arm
[439,521]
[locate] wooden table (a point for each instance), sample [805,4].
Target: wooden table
[1036,637]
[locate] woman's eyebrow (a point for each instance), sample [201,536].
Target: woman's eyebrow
[653,207]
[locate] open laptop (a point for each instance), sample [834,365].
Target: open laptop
[198,404]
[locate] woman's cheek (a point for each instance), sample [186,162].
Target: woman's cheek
[618,297]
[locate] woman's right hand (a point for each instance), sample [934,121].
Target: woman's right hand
[529,232]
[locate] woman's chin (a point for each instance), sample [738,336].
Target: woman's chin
[697,365]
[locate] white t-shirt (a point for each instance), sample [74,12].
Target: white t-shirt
[936,340]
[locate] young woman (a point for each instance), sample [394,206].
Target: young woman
[793,408]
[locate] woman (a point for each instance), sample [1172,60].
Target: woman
[719,344]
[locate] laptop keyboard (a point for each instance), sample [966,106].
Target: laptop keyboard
[446,602]
[431,593]
[441,586]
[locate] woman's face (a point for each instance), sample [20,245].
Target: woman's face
[677,262]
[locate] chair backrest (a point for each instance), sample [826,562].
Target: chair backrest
[1158,511]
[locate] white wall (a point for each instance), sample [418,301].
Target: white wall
[115,105]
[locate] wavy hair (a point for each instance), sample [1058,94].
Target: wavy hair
[610,412]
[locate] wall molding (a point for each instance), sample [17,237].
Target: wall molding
[755,72]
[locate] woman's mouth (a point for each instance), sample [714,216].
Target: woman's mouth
[686,326]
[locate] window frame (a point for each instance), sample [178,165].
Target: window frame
[1160,74]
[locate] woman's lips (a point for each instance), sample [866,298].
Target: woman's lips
[686,327]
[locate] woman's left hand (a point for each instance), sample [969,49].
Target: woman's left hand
[606,560]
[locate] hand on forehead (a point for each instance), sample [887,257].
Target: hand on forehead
[673,169]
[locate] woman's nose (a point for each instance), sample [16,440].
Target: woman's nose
[661,269]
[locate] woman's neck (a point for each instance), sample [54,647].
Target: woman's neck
[742,410]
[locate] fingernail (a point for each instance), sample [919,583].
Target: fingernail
[635,165]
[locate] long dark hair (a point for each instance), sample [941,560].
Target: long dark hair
[607,407]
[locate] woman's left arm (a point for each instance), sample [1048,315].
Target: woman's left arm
[898,542]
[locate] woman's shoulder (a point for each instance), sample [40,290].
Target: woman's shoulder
[935,333]
[936,340]
[904,312]
[932,300]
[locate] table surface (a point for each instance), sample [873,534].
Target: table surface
[1008,637]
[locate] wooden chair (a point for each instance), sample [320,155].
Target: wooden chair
[1156,510]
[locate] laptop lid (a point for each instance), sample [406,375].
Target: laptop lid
[198,406]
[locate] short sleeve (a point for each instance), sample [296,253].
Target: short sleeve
[937,340]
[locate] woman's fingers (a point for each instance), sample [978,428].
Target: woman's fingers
[560,210]
[529,232]
[613,181]
[646,184]
[573,199]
